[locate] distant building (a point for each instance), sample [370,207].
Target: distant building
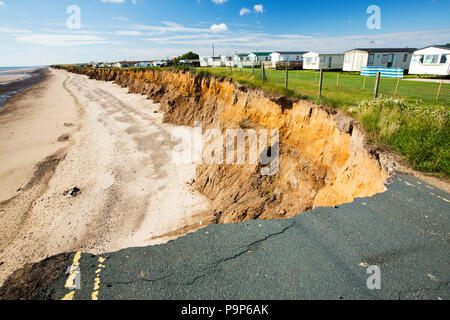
[326,61]
[378,57]
[214,62]
[143,64]
[240,59]
[204,61]
[282,59]
[256,58]
[159,63]
[432,60]
[190,63]
[226,61]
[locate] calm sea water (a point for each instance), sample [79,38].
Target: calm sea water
[8,89]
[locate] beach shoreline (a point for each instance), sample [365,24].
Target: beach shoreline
[13,82]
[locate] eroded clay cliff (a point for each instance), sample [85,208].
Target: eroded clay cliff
[324,160]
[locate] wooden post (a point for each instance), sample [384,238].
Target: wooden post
[377,85]
[263,72]
[396,88]
[320,82]
[337,81]
[439,91]
[364,83]
[287,76]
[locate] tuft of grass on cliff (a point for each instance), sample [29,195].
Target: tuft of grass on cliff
[415,125]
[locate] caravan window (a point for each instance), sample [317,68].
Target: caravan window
[405,57]
[443,58]
[371,57]
[384,59]
[431,59]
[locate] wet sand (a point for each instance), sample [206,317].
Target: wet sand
[10,78]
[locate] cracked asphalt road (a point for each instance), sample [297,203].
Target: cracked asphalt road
[321,254]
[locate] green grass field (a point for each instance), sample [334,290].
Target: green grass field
[413,123]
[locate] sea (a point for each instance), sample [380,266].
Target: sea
[23,77]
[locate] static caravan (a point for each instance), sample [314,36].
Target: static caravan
[239,59]
[433,60]
[226,61]
[379,57]
[286,56]
[214,62]
[255,58]
[325,61]
[204,61]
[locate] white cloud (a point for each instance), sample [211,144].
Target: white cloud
[113,1]
[133,1]
[259,8]
[248,41]
[168,26]
[121,19]
[9,30]
[66,40]
[129,33]
[219,1]
[2,4]
[216,28]
[244,11]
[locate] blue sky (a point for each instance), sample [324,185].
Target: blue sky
[35,32]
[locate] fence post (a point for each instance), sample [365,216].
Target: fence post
[337,81]
[377,84]
[287,76]
[396,88]
[263,72]
[439,91]
[320,82]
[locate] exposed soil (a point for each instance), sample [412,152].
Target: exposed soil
[33,280]
[324,159]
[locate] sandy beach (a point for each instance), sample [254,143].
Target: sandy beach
[68,131]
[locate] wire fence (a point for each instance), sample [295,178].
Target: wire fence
[343,87]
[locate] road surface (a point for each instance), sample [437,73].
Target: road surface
[322,254]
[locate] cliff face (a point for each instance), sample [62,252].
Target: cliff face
[323,158]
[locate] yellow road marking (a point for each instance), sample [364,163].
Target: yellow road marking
[94,295]
[69,296]
[71,278]
[443,199]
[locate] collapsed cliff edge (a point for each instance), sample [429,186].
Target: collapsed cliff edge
[324,159]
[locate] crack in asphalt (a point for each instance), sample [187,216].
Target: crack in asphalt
[440,287]
[212,266]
